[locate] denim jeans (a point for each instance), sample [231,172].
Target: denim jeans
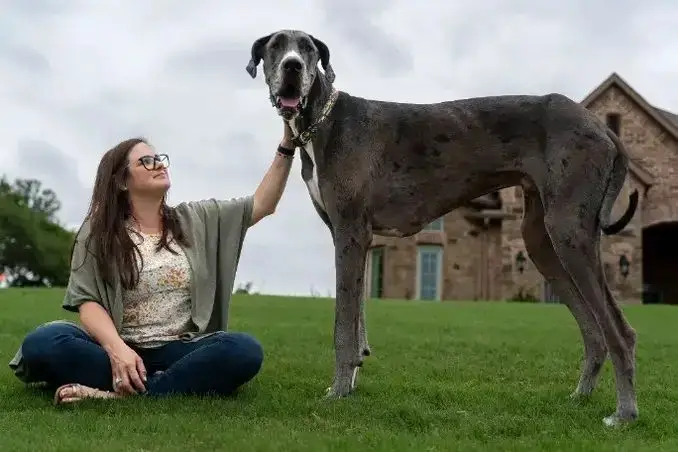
[219,364]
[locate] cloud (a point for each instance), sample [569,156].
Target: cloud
[24,58]
[54,168]
[377,48]
[222,61]
[78,76]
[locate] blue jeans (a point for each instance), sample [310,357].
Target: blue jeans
[219,364]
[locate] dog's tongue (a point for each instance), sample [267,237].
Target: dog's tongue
[291,102]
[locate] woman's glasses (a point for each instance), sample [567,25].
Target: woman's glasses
[153,162]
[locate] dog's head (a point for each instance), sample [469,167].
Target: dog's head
[290,67]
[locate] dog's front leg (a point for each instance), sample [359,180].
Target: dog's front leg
[362,327]
[351,243]
[365,349]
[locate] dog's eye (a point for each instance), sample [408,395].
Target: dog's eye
[278,42]
[305,45]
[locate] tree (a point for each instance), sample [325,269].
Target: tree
[29,194]
[244,288]
[34,247]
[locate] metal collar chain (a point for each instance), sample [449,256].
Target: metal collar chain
[306,136]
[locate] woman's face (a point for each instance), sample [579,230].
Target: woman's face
[147,171]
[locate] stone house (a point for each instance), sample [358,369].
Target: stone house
[477,252]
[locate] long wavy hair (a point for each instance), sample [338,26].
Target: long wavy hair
[110,209]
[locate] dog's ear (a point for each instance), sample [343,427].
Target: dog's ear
[257,54]
[324,58]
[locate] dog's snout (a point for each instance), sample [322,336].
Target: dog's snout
[292,65]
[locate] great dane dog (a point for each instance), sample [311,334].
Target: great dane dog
[389,168]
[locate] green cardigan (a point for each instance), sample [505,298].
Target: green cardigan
[215,229]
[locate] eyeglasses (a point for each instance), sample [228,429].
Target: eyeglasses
[153,162]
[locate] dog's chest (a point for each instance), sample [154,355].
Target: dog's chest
[311,182]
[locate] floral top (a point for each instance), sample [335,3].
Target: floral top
[158,309]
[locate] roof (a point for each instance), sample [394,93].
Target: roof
[665,119]
[668,115]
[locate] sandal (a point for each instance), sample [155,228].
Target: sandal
[79,392]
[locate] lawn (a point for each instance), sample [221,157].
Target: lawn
[443,376]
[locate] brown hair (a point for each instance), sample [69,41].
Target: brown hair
[108,212]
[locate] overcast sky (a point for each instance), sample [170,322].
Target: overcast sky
[77,76]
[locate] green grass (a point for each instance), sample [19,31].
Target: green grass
[443,376]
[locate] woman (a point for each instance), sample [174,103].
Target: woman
[152,286]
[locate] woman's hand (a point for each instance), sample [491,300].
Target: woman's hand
[127,366]
[129,372]
[288,135]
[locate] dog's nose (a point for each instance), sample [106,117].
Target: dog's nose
[292,65]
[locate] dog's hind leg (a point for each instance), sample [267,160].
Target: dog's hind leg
[575,240]
[627,331]
[540,249]
[617,179]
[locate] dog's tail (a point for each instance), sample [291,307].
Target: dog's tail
[617,177]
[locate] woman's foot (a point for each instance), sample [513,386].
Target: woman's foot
[76,392]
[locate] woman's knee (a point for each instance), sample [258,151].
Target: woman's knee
[246,348]
[42,341]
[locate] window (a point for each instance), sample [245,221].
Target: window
[376,272]
[613,121]
[429,272]
[435,225]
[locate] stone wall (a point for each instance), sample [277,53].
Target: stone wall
[516,284]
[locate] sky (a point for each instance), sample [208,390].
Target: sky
[78,76]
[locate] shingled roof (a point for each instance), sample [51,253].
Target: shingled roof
[667,120]
[668,115]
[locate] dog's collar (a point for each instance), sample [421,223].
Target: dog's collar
[305,136]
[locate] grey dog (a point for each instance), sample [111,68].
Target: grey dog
[389,168]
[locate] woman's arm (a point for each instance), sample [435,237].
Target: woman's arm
[126,364]
[99,325]
[271,188]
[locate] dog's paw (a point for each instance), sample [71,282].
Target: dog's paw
[343,385]
[617,420]
[578,396]
[612,421]
[333,393]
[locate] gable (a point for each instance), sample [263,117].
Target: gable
[665,120]
[662,123]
